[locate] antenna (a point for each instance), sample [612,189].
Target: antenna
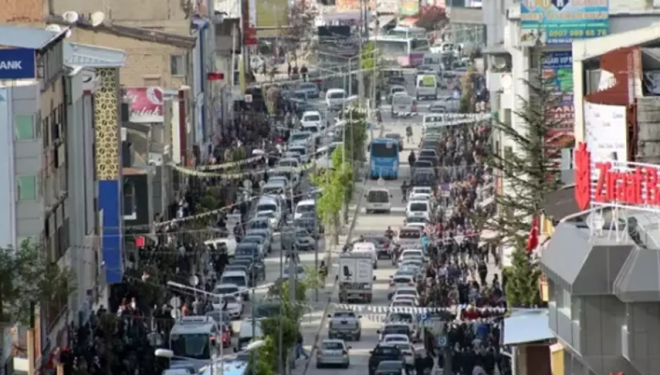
[97,18]
[54,28]
[71,16]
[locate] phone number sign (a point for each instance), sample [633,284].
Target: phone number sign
[562,21]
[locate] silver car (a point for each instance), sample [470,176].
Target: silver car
[333,352]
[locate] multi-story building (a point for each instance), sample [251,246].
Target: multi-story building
[49,177]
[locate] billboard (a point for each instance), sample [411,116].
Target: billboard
[606,131]
[409,7]
[145,104]
[381,6]
[272,13]
[18,63]
[558,74]
[562,21]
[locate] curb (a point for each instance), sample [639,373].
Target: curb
[334,285]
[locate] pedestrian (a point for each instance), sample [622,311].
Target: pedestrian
[300,351]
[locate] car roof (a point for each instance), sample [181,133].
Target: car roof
[306,202]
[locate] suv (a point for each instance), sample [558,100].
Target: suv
[344,324]
[383,352]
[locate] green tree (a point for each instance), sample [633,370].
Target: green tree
[522,286]
[529,173]
[337,185]
[356,134]
[28,278]
[264,360]
[271,328]
[466,104]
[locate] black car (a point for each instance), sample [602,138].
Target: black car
[383,352]
[382,246]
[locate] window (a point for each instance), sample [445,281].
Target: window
[177,65]
[129,201]
[27,187]
[24,127]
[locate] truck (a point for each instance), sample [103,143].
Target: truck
[355,277]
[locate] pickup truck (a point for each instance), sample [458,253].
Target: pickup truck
[344,325]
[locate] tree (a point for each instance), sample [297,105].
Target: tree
[265,359]
[28,278]
[528,174]
[302,24]
[356,134]
[522,288]
[432,18]
[467,100]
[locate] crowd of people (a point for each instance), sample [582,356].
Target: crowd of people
[468,342]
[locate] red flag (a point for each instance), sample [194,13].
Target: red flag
[533,238]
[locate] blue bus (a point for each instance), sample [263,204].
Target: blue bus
[384,160]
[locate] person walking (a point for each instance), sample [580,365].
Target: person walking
[300,351]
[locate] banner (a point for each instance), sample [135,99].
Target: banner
[17,63]
[558,73]
[562,21]
[409,7]
[606,132]
[145,104]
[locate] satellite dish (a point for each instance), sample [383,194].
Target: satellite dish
[71,16]
[193,280]
[54,28]
[499,62]
[97,18]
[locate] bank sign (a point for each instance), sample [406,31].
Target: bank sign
[17,64]
[562,21]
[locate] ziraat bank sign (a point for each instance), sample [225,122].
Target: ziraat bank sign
[615,183]
[17,64]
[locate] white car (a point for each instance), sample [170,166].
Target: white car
[289,162]
[271,216]
[234,305]
[227,290]
[238,278]
[406,291]
[395,338]
[405,298]
[400,281]
[396,319]
[412,262]
[413,253]
[419,209]
[311,118]
[403,303]
[421,190]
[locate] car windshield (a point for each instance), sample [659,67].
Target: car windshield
[267,207]
[406,292]
[404,347]
[312,129]
[191,345]
[252,239]
[236,280]
[288,163]
[419,207]
[416,234]
[378,196]
[336,95]
[401,280]
[343,315]
[401,317]
[306,208]
[333,346]
[298,137]
[312,118]
[393,136]
[384,150]
[398,89]
[396,330]
[226,290]
[402,100]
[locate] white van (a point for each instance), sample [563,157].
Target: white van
[304,206]
[419,208]
[367,248]
[378,199]
[427,86]
[246,336]
[311,118]
[228,242]
[335,98]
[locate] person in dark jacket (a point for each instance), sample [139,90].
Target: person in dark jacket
[419,364]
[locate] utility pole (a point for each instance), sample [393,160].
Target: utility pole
[293,276]
[316,223]
[280,338]
[210,68]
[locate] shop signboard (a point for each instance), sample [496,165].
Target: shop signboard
[145,104]
[562,21]
[409,7]
[558,75]
[17,63]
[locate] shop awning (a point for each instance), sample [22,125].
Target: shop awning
[561,203]
[526,326]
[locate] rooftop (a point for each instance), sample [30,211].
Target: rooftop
[93,56]
[27,37]
[137,33]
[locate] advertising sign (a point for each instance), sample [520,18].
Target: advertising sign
[606,132]
[618,183]
[145,104]
[409,7]
[381,6]
[558,73]
[562,21]
[249,23]
[17,63]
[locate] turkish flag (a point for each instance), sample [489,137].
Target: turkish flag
[533,238]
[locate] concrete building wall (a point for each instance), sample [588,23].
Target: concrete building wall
[7,177]
[162,15]
[147,64]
